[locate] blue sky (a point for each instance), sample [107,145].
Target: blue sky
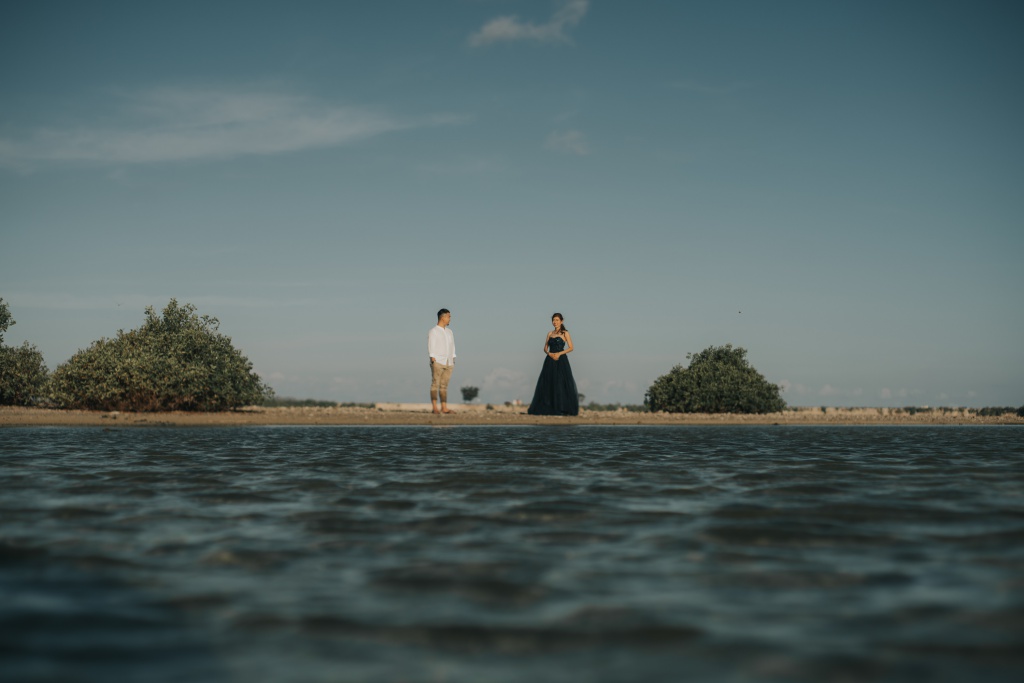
[834,186]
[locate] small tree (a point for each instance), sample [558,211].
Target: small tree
[23,373]
[177,361]
[5,319]
[469,393]
[718,380]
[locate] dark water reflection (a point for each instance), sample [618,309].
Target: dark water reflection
[512,554]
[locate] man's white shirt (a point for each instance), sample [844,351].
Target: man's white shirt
[441,345]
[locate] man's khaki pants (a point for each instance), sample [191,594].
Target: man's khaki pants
[440,375]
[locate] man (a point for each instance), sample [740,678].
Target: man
[441,349]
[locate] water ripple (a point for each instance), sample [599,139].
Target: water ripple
[512,553]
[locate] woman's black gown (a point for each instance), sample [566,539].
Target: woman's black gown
[556,389]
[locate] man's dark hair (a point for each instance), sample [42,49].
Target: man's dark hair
[442,312]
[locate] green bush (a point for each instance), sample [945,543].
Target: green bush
[177,361]
[23,373]
[718,380]
[5,319]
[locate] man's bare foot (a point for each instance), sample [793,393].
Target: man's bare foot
[448,412]
[435,411]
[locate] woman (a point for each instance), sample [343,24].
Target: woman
[556,389]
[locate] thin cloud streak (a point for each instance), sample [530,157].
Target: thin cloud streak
[510,28]
[705,89]
[570,141]
[138,302]
[173,124]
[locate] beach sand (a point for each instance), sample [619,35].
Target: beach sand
[419,414]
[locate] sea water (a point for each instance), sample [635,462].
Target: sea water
[512,554]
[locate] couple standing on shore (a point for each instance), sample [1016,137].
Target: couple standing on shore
[556,392]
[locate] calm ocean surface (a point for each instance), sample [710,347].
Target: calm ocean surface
[477,554]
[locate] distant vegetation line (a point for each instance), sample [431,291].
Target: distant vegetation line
[285,402]
[179,360]
[611,407]
[990,411]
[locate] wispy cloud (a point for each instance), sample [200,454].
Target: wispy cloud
[571,141]
[137,303]
[194,124]
[460,166]
[510,28]
[708,89]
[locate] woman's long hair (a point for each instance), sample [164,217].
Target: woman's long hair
[561,327]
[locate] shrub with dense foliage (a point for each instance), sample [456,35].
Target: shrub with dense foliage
[23,373]
[5,319]
[718,380]
[177,361]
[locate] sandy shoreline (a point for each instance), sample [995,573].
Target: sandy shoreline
[412,414]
